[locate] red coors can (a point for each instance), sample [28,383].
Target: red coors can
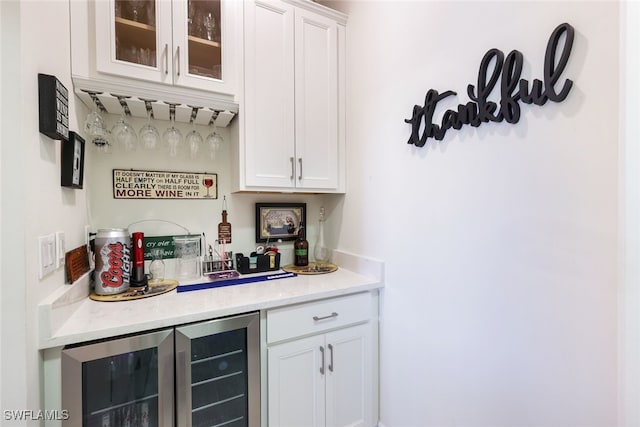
[113,261]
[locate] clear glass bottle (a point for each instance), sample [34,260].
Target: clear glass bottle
[156,268]
[320,250]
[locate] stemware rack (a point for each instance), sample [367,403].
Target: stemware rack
[160,110]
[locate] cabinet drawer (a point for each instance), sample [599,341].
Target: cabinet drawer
[318,316]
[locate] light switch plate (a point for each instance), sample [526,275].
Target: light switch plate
[46,255]
[60,249]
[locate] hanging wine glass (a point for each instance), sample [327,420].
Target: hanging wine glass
[193,138]
[172,136]
[149,135]
[96,129]
[214,140]
[124,134]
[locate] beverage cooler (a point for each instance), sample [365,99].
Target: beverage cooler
[201,374]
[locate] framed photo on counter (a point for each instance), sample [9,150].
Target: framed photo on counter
[279,221]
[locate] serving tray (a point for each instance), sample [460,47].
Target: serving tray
[137,293]
[312,268]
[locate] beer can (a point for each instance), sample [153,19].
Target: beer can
[113,261]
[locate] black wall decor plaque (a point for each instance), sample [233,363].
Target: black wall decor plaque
[502,73]
[72,173]
[53,100]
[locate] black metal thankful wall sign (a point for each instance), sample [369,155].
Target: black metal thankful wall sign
[513,90]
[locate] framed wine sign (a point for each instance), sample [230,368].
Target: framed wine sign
[145,184]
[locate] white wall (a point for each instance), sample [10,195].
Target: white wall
[500,242]
[1,213]
[197,216]
[33,41]
[13,350]
[629,301]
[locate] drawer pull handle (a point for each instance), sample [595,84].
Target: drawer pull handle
[331,316]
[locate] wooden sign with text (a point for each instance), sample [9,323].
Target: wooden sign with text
[141,184]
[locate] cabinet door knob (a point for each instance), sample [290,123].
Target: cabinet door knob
[322,356]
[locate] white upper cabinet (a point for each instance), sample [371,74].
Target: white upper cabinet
[181,42]
[185,52]
[294,98]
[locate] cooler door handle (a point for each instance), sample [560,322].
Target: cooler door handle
[181,389]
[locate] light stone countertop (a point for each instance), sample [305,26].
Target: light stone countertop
[69,316]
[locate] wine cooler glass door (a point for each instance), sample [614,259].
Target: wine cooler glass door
[217,373]
[124,382]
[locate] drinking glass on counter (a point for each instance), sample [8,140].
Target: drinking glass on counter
[156,268]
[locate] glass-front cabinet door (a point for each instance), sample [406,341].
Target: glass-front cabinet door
[190,43]
[217,373]
[133,39]
[120,383]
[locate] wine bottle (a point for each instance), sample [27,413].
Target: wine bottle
[301,248]
[224,227]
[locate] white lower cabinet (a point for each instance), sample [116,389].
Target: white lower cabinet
[328,375]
